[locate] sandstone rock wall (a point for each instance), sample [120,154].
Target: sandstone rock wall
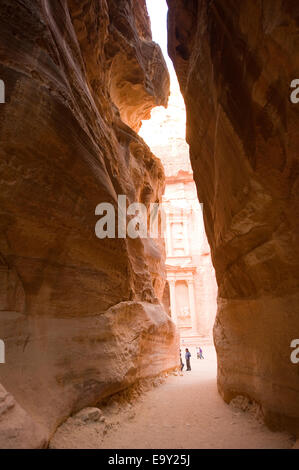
[78,315]
[235,61]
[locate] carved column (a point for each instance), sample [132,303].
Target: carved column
[173,301]
[192,305]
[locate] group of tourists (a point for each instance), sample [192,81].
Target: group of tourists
[188,357]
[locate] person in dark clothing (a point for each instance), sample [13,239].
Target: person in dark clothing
[187,357]
[181,361]
[200,353]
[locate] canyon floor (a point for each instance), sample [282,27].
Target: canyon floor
[177,412]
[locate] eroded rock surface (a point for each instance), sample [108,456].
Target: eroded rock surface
[138,76]
[235,62]
[79,76]
[17,429]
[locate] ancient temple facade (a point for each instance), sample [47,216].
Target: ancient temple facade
[191,290]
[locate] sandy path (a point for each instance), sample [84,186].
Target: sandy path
[187,412]
[184,412]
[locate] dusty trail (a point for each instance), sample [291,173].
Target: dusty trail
[187,412]
[183,412]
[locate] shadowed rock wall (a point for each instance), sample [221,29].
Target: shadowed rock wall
[235,61]
[80,316]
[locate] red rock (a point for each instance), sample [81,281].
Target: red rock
[235,62]
[65,148]
[17,429]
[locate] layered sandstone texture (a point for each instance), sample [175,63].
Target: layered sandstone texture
[17,428]
[235,62]
[80,316]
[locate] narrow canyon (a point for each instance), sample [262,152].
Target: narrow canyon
[83,318]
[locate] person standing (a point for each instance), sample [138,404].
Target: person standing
[200,353]
[181,361]
[187,357]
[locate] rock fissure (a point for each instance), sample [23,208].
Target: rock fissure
[80,76]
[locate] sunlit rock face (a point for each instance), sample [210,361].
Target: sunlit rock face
[139,78]
[79,315]
[235,62]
